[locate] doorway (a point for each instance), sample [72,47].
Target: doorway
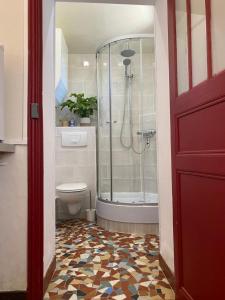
[37,154]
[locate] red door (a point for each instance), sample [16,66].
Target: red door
[35,154]
[197,76]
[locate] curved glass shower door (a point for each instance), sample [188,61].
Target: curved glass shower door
[126,107]
[126,125]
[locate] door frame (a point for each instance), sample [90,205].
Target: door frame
[35,153]
[35,247]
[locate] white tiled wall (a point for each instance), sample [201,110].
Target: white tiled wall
[76,164]
[82,79]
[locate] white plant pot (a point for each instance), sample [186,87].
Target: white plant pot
[85,121]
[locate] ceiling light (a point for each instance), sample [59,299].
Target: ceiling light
[86,63]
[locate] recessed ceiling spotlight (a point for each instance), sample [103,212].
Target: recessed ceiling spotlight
[86,63]
[105,64]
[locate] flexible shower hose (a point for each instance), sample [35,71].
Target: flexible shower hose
[128,101]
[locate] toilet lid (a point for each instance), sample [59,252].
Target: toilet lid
[72,187]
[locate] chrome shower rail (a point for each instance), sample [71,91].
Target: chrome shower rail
[125,37]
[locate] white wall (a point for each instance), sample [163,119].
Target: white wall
[81,79]
[49,131]
[13,220]
[163,135]
[2,96]
[61,66]
[13,38]
[13,175]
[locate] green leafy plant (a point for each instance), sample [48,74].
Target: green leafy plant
[80,105]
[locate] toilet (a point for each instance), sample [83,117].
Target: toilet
[72,194]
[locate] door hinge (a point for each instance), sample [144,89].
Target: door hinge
[34,110]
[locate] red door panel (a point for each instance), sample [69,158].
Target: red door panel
[202,211]
[198,167]
[201,130]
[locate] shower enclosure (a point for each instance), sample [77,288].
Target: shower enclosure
[127,170]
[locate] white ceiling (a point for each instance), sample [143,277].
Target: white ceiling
[88,25]
[141,2]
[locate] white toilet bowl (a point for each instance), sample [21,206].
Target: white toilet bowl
[72,194]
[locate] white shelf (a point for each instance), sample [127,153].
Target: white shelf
[7,148]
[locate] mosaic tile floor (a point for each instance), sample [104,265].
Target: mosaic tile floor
[96,264]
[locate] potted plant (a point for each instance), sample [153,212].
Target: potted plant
[82,106]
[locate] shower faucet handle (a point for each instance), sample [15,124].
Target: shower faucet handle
[108,122]
[149,133]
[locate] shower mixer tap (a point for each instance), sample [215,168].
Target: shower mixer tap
[148,134]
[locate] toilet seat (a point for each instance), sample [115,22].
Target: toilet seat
[72,187]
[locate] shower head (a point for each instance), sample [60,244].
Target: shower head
[126,62]
[128,53]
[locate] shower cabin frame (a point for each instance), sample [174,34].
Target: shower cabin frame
[108,43]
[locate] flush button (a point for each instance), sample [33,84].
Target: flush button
[74,139]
